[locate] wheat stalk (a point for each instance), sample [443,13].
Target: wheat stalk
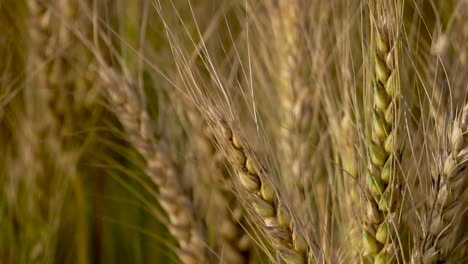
[173,200]
[305,74]
[382,181]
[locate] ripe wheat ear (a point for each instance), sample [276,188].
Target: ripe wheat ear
[181,222]
[269,209]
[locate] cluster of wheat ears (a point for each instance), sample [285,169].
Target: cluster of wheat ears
[234,131]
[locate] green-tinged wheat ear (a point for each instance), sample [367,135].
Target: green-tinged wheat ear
[382,180]
[441,241]
[137,124]
[268,207]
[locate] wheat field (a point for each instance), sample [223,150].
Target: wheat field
[234,131]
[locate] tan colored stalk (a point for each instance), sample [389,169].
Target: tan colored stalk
[135,119]
[268,206]
[441,242]
[379,237]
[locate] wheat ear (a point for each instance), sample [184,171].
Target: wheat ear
[136,121]
[47,110]
[451,199]
[268,206]
[293,94]
[349,171]
[289,23]
[233,243]
[40,54]
[382,183]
